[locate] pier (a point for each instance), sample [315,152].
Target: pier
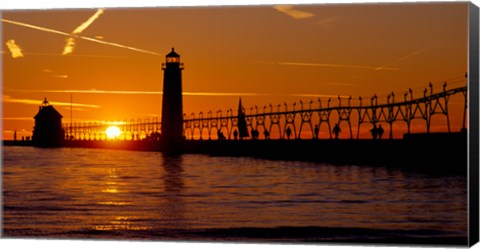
[303,131]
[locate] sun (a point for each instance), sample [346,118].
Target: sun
[112,132]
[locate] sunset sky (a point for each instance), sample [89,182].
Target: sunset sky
[110,59]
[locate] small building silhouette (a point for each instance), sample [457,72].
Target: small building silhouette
[48,131]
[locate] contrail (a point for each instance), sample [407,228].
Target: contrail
[15,50]
[398,60]
[290,11]
[331,65]
[87,23]
[78,36]
[218,94]
[68,49]
[8,99]
[327,21]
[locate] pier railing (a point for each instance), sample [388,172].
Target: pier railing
[318,118]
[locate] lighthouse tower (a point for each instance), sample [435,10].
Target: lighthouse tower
[172,111]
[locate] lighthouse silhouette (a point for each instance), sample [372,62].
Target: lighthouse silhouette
[172,110]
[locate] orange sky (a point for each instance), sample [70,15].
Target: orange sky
[267,54]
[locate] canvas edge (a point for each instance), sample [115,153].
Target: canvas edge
[473,92]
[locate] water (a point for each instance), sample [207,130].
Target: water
[94,193]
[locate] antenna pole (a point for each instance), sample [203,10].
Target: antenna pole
[71,113]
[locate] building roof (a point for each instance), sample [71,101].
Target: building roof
[47,112]
[173,54]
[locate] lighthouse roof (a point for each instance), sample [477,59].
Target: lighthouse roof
[48,112]
[173,54]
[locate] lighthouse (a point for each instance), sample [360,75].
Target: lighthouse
[172,110]
[48,131]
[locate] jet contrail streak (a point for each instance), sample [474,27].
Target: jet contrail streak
[398,60]
[8,99]
[336,66]
[87,23]
[68,49]
[78,36]
[289,10]
[218,94]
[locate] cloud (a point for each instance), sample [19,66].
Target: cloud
[68,49]
[53,31]
[63,76]
[73,108]
[127,92]
[92,91]
[329,65]
[221,94]
[9,99]
[15,50]
[51,72]
[290,11]
[326,21]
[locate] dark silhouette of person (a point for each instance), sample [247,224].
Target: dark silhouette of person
[289,132]
[220,135]
[316,130]
[266,134]
[23,138]
[380,131]
[235,134]
[374,132]
[336,130]
[254,134]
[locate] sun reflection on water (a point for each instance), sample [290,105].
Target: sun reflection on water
[110,190]
[121,223]
[115,203]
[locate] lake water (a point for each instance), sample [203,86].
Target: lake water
[114,194]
